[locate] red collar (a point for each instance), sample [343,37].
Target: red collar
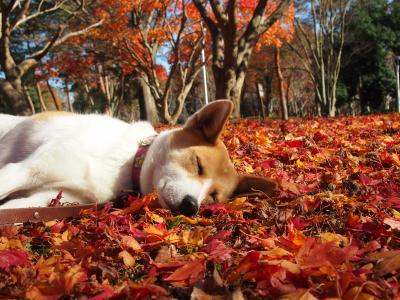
[138,160]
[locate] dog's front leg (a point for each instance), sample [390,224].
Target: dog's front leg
[14,177]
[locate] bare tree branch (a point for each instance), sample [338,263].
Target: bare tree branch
[57,40]
[22,18]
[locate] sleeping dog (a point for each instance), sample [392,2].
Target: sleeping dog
[91,157]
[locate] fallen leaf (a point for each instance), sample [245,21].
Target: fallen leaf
[300,294]
[128,259]
[189,273]
[131,243]
[11,258]
[198,294]
[387,261]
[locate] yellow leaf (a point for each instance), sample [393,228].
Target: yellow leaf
[286,264]
[5,244]
[152,230]
[50,223]
[74,275]
[131,243]
[66,236]
[395,158]
[172,238]
[188,220]
[155,218]
[396,214]
[277,252]
[238,204]
[291,267]
[185,236]
[128,259]
[339,240]
[300,164]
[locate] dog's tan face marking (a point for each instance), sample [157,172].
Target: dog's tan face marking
[49,114]
[205,163]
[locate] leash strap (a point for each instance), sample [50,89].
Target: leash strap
[10,216]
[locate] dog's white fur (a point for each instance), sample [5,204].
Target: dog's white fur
[89,157]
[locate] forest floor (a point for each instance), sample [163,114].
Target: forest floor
[332,230]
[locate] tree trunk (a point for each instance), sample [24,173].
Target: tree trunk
[87,90]
[40,96]
[268,93]
[70,107]
[15,97]
[228,86]
[332,100]
[282,96]
[231,46]
[261,99]
[147,105]
[53,96]
[29,100]
[318,107]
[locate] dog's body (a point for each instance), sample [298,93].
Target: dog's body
[90,157]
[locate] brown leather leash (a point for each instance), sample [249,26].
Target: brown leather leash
[11,216]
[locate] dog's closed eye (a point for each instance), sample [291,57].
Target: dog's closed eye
[214,196]
[199,166]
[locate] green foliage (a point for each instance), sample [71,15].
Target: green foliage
[371,42]
[342,93]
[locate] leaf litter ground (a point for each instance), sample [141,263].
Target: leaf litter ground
[332,231]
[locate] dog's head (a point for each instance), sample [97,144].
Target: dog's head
[191,166]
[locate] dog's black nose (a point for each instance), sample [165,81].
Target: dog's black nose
[188,206]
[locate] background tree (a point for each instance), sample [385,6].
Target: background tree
[262,81]
[235,28]
[29,30]
[373,39]
[166,26]
[156,42]
[321,33]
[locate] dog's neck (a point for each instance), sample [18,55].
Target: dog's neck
[138,161]
[155,158]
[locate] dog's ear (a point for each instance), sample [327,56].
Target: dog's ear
[254,185]
[210,119]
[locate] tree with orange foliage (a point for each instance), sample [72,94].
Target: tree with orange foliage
[17,31]
[156,41]
[166,25]
[236,27]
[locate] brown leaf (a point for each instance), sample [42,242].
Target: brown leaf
[300,294]
[199,294]
[387,261]
[355,293]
